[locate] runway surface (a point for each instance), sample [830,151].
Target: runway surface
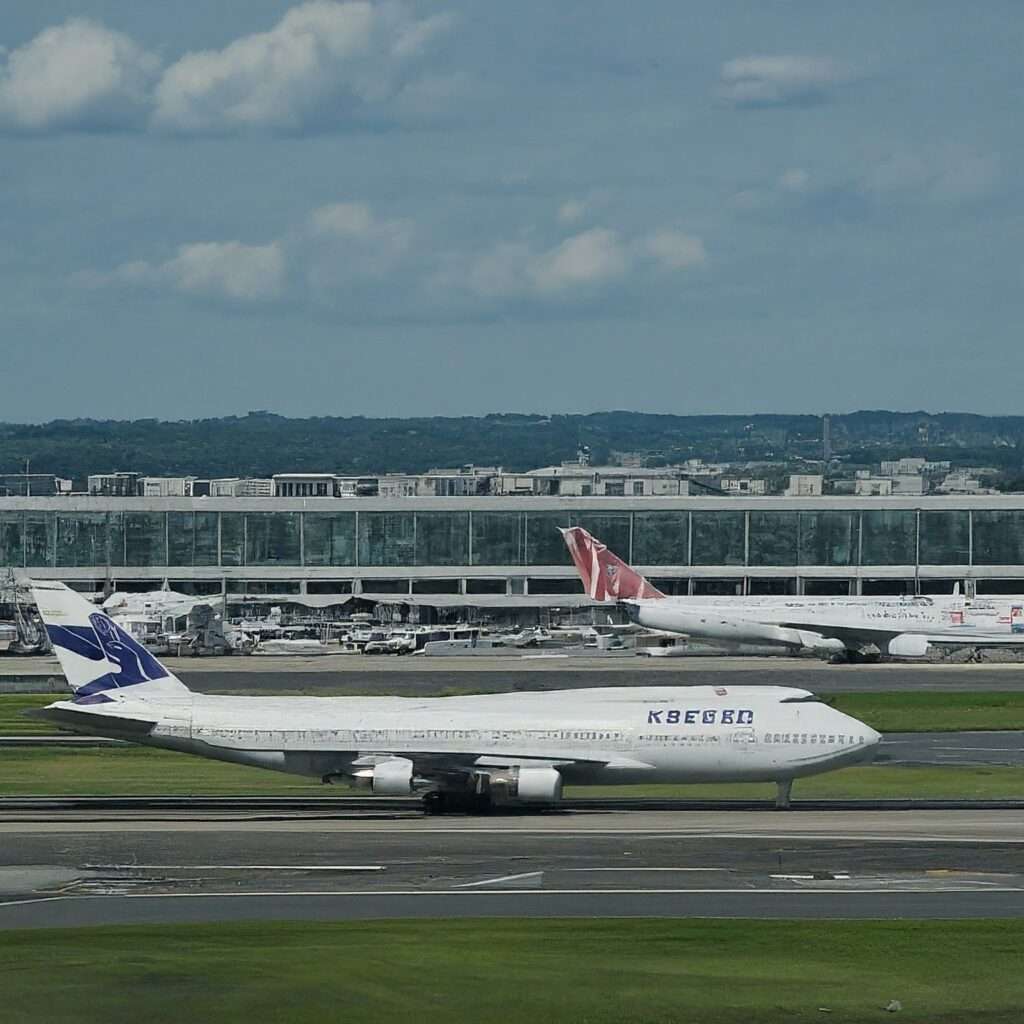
[423,678]
[150,867]
[419,676]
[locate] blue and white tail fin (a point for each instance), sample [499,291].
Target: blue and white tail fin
[99,657]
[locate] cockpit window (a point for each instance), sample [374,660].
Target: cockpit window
[811,698]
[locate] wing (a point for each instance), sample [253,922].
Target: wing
[438,763]
[859,636]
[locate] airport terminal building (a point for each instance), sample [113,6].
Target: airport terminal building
[492,553]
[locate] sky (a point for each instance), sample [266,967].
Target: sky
[453,208]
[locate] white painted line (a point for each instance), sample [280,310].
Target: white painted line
[234,867]
[631,870]
[503,878]
[38,899]
[787,893]
[999,750]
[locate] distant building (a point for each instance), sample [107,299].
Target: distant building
[574,480]
[32,485]
[903,467]
[884,486]
[242,487]
[805,485]
[964,481]
[115,485]
[306,485]
[167,486]
[467,481]
[872,486]
[743,485]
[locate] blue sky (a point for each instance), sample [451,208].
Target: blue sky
[455,208]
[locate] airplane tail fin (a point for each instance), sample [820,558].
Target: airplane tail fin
[96,654]
[605,576]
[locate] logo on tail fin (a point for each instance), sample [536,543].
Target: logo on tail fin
[104,641]
[605,576]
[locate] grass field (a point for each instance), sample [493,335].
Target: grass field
[913,711]
[528,971]
[40,771]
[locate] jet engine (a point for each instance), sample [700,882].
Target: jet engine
[908,645]
[388,778]
[526,785]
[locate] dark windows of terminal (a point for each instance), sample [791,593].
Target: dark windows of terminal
[668,540]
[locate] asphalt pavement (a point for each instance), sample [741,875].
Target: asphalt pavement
[151,868]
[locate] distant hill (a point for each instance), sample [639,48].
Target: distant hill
[262,443]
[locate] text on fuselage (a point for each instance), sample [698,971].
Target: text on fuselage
[696,716]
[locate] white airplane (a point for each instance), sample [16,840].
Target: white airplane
[853,628]
[459,753]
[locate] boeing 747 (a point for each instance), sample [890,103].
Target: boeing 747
[851,628]
[458,753]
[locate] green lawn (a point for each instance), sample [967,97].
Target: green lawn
[512,971]
[928,711]
[41,771]
[914,711]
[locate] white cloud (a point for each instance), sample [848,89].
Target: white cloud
[796,179]
[323,63]
[75,75]
[357,222]
[571,211]
[598,256]
[765,81]
[346,241]
[948,174]
[345,249]
[590,257]
[675,250]
[227,270]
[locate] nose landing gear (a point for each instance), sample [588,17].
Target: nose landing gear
[783,789]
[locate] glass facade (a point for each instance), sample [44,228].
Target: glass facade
[827,538]
[945,538]
[499,538]
[544,544]
[719,538]
[888,537]
[329,538]
[387,538]
[661,538]
[272,538]
[773,538]
[442,538]
[193,538]
[509,538]
[998,537]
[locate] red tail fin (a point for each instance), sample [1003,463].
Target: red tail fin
[605,576]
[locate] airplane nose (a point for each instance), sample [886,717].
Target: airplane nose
[871,741]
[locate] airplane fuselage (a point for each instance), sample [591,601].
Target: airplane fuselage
[592,737]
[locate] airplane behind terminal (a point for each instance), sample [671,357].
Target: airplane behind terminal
[458,753]
[850,628]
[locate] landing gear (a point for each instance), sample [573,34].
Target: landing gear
[852,657]
[441,802]
[783,789]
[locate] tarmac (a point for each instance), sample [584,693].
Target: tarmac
[155,867]
[420,676]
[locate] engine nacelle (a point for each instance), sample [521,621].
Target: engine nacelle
[539,786]
[526,785]
[908,645]
[388,778]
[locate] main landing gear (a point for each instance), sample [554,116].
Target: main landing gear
[440,802]
[852,657]
[783,789]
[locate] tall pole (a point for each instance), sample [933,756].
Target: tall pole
[28,481]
